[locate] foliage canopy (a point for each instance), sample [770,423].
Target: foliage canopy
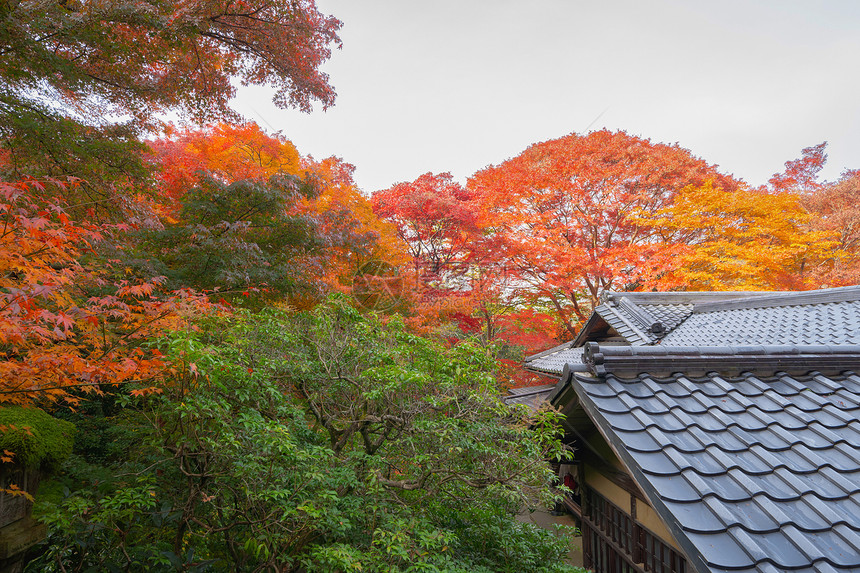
[326,440]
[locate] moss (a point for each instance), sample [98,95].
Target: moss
[37,439]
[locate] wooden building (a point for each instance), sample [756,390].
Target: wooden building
[713,432]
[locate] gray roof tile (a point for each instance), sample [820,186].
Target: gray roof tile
[553,361]
[722,319]
[633,322]
[715,551]
[759,472]
[759,514]
[671,315]
[835,323]
[769,546]
[732,435]
[530,396]
[678,487]
[693,517]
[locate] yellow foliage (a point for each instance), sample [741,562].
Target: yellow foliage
[744,239]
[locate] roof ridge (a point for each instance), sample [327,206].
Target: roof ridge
[680,297]
[651,326]
[612,309]
[783,298]
[726,349]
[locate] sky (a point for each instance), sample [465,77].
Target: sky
[457,85]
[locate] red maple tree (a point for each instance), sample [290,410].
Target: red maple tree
[562,211]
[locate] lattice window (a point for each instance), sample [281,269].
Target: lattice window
[656,555]
[601,556]
[613,521]
[614,543]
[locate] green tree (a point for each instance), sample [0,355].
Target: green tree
[322,441]
[252,234]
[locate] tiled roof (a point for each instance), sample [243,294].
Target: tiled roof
[827,323]
[738,416]
[634,328]
[650,315]
[671,315]
[531,396]
[828,316]
[750,472]
[600,358]
[553,360]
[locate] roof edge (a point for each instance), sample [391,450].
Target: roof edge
[562,346]
[590,324]
[633,360]
[695,559]
[622,324]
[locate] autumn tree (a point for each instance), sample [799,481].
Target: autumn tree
[233,237]
[81,79]
[434,222]
[836,209]
[141,58]
[242,212]
[435,218]
[227,152]
[66,325]
[801,175]
[455,277]
[745,239]
[561,211]
[372,273]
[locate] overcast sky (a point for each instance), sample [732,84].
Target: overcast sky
[456,85]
